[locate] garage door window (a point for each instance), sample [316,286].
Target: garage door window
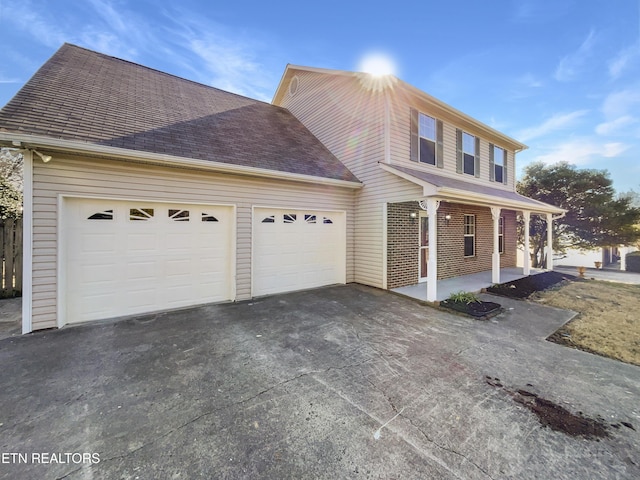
[208,218]
[310,218]
[327,220]
[289,217]
[140,213]
[179,215]
[104,215]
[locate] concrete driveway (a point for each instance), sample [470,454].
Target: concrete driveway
[340,382]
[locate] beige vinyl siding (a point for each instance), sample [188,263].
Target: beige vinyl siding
[116,179]
[349,120]
[400,146]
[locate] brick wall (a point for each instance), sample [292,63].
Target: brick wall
[402,244]
[451,259]
[403,238]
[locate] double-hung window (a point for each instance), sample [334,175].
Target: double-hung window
[468,154]
[469,235]
[427,132]
[497,164]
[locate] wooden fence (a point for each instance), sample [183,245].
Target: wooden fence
[11,256]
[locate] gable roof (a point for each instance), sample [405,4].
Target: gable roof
[86,98]
[412,94]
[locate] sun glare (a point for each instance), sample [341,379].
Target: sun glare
[377,64]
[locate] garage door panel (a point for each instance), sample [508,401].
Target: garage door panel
[295,249]
[119,266]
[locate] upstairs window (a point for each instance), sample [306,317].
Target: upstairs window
[468,154]
[427,132]
[497,164]
[426,139]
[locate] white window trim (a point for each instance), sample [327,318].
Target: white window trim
[473,173]
[465,235]
[433,140]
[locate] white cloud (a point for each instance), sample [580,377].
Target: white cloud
[572,65]
[621,103]
[528,80]
[29,19]
[556,122]
[227,60]
[615,126]
[623,60]
[582,151]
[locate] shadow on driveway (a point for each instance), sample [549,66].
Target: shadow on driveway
[339,382]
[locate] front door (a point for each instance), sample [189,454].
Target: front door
[423,256]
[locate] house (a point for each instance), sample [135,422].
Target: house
[439,195]
[147,192]
[612,257]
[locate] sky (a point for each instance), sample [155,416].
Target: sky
[561,76]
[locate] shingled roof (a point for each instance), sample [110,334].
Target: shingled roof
[85,96]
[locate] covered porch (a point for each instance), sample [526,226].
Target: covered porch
[463,236]
[474,282]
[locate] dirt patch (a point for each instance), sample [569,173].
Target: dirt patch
[556,417]
[481,310]
[524,287]
[607,324]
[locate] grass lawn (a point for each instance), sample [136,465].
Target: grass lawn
[608,323]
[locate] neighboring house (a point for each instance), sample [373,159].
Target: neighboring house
[147,192]
[608,256]
[439,195]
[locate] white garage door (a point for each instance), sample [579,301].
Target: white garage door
[125,257]
[297,249]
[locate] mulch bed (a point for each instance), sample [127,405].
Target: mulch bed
[524,287]
[475,309]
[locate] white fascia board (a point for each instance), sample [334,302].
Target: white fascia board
[71,146]
[452,194]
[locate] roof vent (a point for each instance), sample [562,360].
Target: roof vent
[293,85]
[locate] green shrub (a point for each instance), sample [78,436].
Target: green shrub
[633,262]
[463,297]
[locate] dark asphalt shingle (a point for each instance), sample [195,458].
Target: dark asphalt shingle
[90,97]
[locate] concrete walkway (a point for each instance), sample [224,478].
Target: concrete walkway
[466,283]
[340,382]
[10,317]
[606,275]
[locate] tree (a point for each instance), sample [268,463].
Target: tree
[595,216]
[11,183]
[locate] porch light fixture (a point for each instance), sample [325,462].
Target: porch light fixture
[447,217]
[413,214]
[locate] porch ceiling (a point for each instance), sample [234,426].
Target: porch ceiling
[460,191]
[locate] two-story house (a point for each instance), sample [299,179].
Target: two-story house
[439,196]
[146,192]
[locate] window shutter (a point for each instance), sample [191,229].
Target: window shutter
[458,150]
[476,167]
[439,144]
[492,168]
[504,168]
[414,135]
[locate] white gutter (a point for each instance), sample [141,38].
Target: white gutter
[73,146]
